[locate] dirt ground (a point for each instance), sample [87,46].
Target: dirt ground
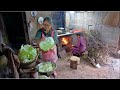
[86,71]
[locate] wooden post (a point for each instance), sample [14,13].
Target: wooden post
[74,61]
[73,64]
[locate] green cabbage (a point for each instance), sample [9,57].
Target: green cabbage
[46,67]
[27,53]
[47,44]
[43,77]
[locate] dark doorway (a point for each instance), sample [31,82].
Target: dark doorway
[15,29]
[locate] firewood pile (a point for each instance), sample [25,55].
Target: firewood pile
[98,50]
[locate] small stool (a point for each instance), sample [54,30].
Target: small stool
[74,61]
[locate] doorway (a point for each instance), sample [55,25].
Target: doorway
[16,28]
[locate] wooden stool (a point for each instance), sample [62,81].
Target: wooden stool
[74,61]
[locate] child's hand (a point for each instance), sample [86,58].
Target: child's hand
[73,45]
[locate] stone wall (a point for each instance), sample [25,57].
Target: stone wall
[93,21]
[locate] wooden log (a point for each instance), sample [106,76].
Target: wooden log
[73,64]
[74,61]
[75,58]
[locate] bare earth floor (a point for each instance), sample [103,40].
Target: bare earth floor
[87,71]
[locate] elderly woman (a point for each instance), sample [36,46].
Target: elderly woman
[47,31]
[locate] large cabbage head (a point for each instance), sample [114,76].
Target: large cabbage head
[47,44]
[27,53]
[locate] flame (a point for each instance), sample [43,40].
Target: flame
[64,40]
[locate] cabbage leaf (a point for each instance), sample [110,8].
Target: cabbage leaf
[27,53]
[47,44]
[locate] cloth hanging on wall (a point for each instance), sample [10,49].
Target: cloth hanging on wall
[112,19]
[67,19]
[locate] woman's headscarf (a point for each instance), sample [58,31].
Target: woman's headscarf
[49,20]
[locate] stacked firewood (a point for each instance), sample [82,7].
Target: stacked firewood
[98,50]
